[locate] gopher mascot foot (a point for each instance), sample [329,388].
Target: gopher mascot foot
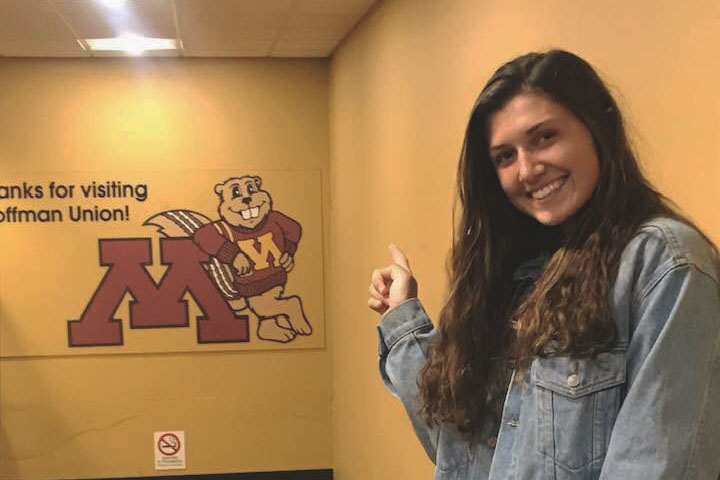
[273,304]
[269,329]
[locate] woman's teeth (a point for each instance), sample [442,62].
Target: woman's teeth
[548,189]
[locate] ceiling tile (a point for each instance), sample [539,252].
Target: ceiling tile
[229,20]
[340,7]
[227,9]
[244,48]
[303,48]
[304,26]
[31,21]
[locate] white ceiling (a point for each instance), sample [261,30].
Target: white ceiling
[205,28]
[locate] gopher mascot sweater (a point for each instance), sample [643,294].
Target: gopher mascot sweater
[225,241]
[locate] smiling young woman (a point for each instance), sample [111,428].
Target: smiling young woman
[544,157]
[581,336]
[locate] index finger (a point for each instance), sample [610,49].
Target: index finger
[399,257]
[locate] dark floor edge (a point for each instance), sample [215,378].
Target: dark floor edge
[279,475]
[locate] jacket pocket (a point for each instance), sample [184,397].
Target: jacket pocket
[578,401]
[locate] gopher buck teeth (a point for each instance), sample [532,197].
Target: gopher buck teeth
[250,213]
[548,189]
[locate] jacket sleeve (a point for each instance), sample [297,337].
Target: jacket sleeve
[405,333]
[668,426]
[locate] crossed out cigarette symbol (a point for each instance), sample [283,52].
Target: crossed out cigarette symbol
[169,444]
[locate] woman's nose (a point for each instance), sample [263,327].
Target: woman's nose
[530,166]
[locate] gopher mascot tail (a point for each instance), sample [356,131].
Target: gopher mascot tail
[183,224]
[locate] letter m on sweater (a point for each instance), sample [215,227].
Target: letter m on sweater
[154,305]
[260,258]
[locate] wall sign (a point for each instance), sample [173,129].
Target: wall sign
[213,260]
[169,450]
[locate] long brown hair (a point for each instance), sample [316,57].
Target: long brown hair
[465,378]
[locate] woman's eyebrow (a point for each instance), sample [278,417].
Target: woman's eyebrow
[528,133]
[532,130]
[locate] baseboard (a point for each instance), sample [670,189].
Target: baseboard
[280,475]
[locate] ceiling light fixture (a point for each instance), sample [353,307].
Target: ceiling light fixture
[132,44]
[113,3]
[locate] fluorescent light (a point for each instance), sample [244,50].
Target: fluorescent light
[112,3]
[132,44]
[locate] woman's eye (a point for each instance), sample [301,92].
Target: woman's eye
[502,158]
[545,136]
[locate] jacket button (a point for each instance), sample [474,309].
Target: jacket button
[573,380]
[492,441]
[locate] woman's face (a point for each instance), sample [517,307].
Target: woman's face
[544,157]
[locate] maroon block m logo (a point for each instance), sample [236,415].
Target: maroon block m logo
[155,305]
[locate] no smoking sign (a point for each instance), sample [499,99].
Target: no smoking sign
[169,450]
[169,444]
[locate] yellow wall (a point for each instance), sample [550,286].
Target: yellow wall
[402,85]
[94,415]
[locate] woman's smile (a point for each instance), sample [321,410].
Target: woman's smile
[549,189]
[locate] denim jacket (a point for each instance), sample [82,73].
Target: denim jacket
[649,409]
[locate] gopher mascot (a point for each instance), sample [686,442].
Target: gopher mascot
[251,250]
